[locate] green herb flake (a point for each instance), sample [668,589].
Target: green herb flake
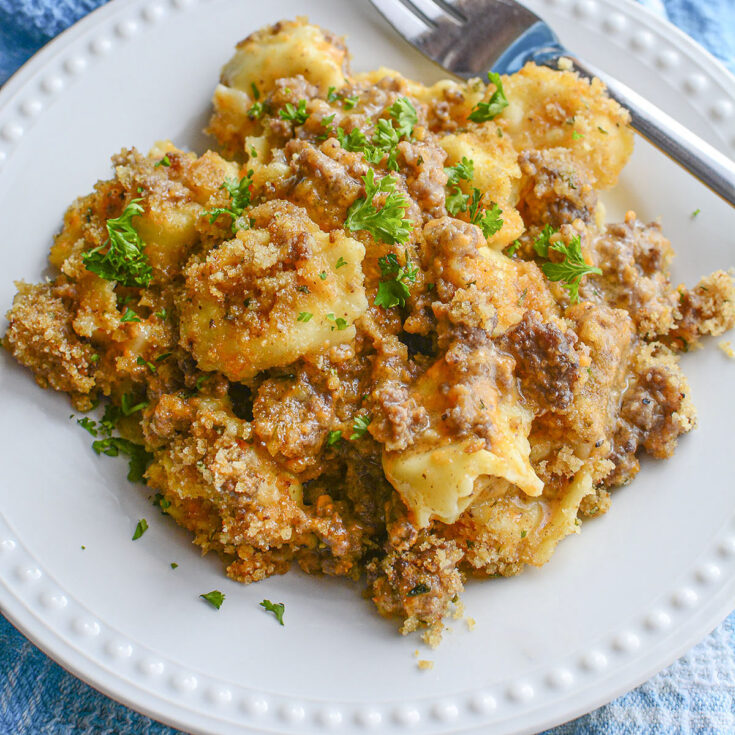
[304,316]
[523,534]
[174,565]
[127,406]
[349,103]
[572,269]
[88,425]
[360,426]
[695,213]
[340,262]
[138,457]
[256,110]
[323,275]
[142,361]
[255,90]
[140,529]
[124,261]
[240,194]
[215,598]
[129,316]
[94,358]
[332,95]
[163,162]
[297,115]
[277,608]
[161,314]
[404,115]
[420,589]
[484,111]
[394,291]
[512,249]
[334,437]
[387,224]
[576,135]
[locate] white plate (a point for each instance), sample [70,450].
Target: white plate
[616,604]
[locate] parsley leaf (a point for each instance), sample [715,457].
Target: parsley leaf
[489,110]
[129,316]
[277,608]
[304,316]
[165,161]
[334,437]
[405,116]
[124,261]
[395,291]
[256,91]
[240,193]
[139,458]
[332,95]
[127,409]
[88,424]
[174,565]
[571,270]
[542,242]
[140,529]
[457,201]
[256,110]
[297,115]
[388,224]
[348,103]
[513,248]
[490,220]
[359,426]
[215,598]
[340,262]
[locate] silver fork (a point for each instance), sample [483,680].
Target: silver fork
[472,37]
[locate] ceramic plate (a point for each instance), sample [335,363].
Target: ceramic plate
[617,603]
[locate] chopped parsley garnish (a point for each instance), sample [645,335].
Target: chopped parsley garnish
[88,424]
[349,103]
[142,361]
[323,275]
[385,137]
[124,261]
[695,213]
[523,534]
[513,248]
[138,457]
[420,589]
[277,608]
[334,437]
[94,358]
[163,162]
[405,116]
[297,115]
[215,598]
[572,269]
[161,314]
[387,224]
[457,200]
[576,135]
[332,95]
[543,240]
[160,502]
[174,565]
[360,426]
[163,356]
[240,194]
[340,262]
[304,316]
[489,220]
[127,408]
[255,90]
[140,529]
[340,323]
[394,291]
[489,110]
[256,110]
[129,316]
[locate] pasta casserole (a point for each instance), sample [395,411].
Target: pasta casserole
[385,333]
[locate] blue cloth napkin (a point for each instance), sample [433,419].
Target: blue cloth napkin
[694,695]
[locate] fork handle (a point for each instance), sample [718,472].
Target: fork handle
[711,167]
